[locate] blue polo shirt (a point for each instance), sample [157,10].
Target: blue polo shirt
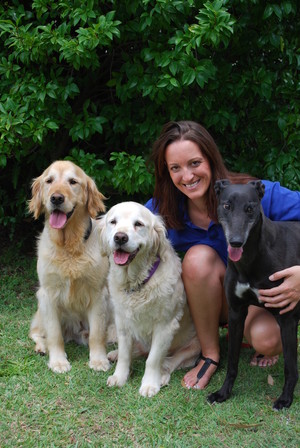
[279,204]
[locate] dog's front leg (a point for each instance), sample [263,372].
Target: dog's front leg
[37,334]
[235,332]
[288,329]
[97,317]
[125,343]
[152,379]
[58,362]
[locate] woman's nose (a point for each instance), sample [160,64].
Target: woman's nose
[187,174]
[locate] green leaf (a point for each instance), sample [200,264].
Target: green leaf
[188,77]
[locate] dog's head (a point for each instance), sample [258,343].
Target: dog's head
[223,183]
[129,229]
[62,188]
[238,211]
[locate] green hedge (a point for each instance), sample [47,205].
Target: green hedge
[94,81]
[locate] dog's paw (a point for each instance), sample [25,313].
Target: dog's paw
[40,350]
[100,364]
[165,378]
[216,397]
[149,390]
[167,365]
[113,355]
[40,346]
[115,380]
[282,403]
[61,366]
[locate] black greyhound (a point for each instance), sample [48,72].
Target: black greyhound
[257,247]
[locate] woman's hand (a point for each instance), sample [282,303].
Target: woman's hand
[287,294]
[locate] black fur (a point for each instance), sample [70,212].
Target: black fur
[267,247]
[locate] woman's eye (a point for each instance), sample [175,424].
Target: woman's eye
[174,169]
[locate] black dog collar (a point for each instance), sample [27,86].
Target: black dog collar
[88,230]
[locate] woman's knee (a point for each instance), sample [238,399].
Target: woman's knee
[264,334]
[269,346]
[202,262]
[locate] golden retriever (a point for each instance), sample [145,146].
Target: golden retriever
[73,296]
[148,296]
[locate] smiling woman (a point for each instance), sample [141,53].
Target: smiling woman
[187,165]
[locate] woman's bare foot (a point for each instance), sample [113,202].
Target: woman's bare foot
[191,379]
[263,360]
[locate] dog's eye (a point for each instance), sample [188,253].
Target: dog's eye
[226,206]
[73,182]
[249,209]
[49,180]
[113,222]
[138,224]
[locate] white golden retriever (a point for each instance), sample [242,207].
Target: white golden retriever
[73,296]
[148,296]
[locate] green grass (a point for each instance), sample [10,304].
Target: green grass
[41,409]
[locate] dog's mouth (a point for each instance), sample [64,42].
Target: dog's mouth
[235,253]
[123,258]
[58,218]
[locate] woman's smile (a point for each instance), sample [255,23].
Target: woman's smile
[191,186]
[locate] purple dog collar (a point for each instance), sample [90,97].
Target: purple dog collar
[152,270]
[150,273]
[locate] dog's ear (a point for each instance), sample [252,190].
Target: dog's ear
[101,227]
[35,205]
[95,199]
[160,234]
[220,185]
[259,187]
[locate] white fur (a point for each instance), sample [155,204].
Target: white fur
[154,314]
[241,288]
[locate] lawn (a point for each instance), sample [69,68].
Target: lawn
[42,409]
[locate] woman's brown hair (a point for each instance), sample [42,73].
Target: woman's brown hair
[166,196]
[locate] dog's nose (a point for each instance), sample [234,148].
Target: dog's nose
[57,199]
[234,242]
[120,238]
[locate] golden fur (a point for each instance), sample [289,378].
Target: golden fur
[72,297]
[153,313]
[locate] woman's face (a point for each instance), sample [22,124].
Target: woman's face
[189,169]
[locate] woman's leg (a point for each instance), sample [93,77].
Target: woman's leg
[263,333]
[203,274]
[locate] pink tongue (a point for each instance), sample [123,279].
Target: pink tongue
[235,253]
[57,219]
[121,257]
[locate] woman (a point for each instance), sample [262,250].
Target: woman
[187,164]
